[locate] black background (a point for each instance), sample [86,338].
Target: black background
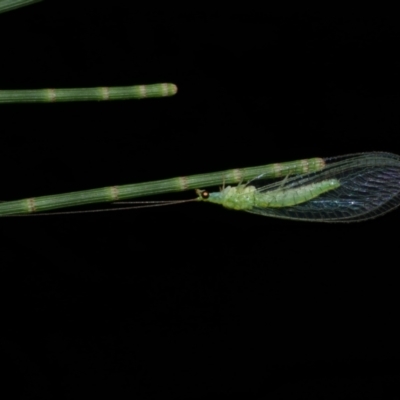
[193,300]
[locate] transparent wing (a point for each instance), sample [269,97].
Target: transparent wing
[369,187]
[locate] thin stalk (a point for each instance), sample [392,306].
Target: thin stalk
[179,184]
[88,94]
[8,5]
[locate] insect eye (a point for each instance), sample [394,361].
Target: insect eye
[205,195]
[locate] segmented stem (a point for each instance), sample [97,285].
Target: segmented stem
[88,94]
[124,192]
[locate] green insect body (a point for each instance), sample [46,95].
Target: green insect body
[243,197]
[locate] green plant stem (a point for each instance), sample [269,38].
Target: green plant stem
[179,184]
[8,5]
[88,94]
